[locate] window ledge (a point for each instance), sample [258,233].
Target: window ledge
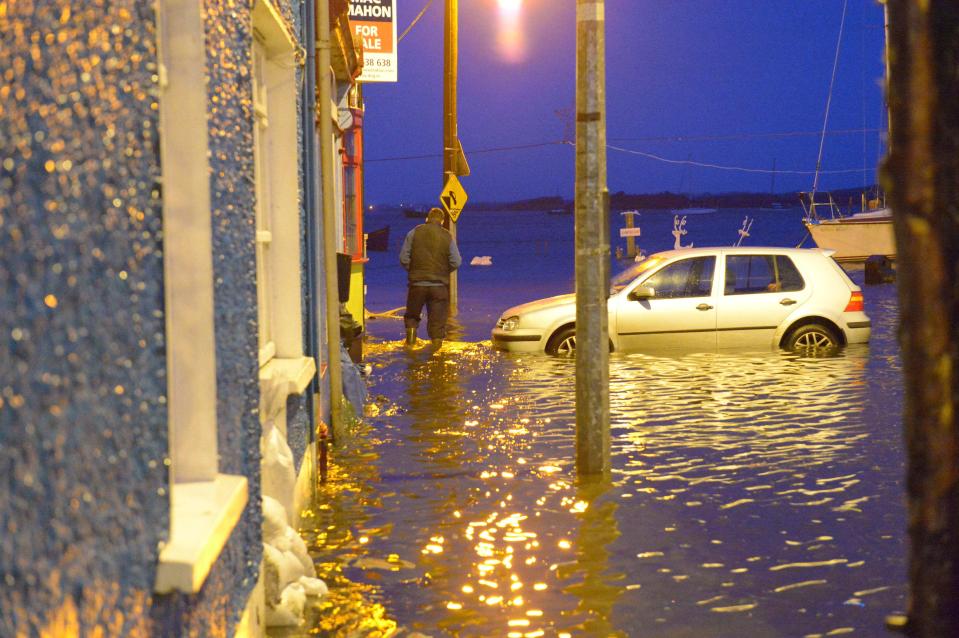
[291,376]
[273,27]
[203,515]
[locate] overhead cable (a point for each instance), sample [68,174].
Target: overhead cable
[651,156]
[415,20]
[499,149]
[743,136]
[722,167]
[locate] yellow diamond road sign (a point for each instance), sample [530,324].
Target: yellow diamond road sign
[453,197]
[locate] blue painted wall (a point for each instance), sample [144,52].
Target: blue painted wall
[83,420]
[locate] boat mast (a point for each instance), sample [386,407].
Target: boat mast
[825,122]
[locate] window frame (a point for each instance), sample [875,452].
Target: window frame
[205,505]
[284,370]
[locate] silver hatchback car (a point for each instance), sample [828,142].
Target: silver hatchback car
[704,299]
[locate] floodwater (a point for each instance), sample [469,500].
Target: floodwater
[752,493]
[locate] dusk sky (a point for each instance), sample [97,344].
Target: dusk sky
[733,83]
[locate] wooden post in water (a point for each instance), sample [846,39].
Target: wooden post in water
[630,240]
[921,178]
[592,242]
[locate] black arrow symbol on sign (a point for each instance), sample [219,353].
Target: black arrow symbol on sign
[452,196]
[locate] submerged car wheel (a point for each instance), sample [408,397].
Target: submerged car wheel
[563,343]
[812,336]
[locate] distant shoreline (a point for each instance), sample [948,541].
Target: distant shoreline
[661,201]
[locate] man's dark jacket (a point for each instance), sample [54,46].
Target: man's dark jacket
[430,256]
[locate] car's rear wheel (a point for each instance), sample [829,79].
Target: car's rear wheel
[812,337]
[563,343]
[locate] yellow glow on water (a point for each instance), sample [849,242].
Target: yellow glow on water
[511,41]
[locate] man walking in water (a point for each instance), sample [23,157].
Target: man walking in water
[429,255]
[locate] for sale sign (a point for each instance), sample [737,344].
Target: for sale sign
[373,23]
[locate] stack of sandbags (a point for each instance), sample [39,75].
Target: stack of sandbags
[289,575]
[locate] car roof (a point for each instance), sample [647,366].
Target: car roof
[739,250]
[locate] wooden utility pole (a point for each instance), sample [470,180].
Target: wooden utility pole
[450,125]
[592,242]
[921,178]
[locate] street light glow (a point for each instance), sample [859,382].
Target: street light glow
[510,7]
[512,43]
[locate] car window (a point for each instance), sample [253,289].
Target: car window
[789,278]
[750,274]
[686,278]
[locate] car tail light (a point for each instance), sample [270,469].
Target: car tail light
[855,303]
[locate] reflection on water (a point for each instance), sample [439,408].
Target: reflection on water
[752,494]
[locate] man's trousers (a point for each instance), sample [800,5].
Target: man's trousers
[437,302]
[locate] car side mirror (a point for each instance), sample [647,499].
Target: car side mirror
[640,293]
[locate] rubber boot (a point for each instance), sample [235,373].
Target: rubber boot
[411,336]
[436,344]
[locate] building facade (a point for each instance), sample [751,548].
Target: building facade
[161,311]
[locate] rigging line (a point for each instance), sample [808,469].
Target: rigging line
[499,149]
[832,83]
[743,136]
[862,90]
[415,20]
[723,167]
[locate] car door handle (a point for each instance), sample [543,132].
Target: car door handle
[787,302]
[704,306]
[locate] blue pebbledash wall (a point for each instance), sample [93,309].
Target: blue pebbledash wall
[83,419]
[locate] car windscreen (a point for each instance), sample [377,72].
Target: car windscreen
[621,280]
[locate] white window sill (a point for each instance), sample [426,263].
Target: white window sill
[288,376]
[273,28]
[202,518]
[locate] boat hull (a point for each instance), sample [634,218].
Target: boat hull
[854,239]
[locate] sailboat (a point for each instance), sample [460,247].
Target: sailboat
[691,210]
[856,236]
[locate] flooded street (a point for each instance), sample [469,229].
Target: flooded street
[752,494]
